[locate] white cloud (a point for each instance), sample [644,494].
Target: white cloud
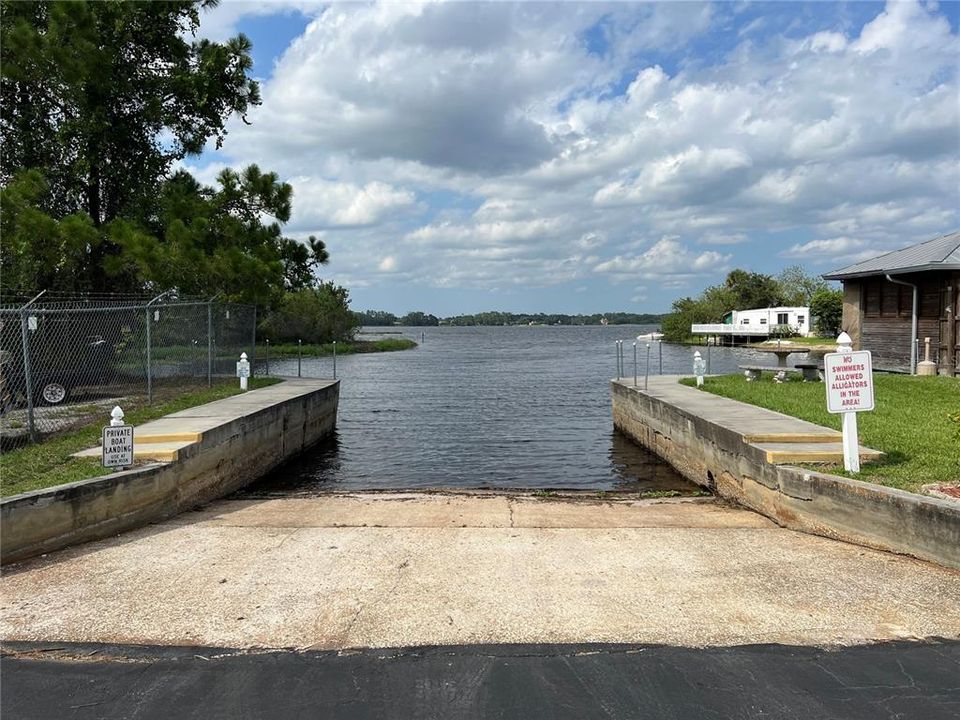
[484,144]
[719,238]
[321,203]
[830,249]
[667,257]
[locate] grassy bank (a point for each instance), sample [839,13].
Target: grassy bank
[49,463]
[282,350]
[915,422]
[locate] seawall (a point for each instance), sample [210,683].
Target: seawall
[715,454]
[239,439]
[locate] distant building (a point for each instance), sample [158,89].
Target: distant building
[756,323]
[911,294]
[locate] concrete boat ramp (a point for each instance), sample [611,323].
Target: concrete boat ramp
[397,570]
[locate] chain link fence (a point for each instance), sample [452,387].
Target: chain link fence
[66,361]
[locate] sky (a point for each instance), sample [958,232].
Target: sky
[589,157]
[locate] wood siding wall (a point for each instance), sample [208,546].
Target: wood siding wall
[886,311]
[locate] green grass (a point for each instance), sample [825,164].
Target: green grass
[286,350]
[916,422]
[49,462]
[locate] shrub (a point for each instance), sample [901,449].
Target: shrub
[783,331]
[315,315]
[826,306]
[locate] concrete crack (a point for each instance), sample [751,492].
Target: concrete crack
[510,507]
[389,593]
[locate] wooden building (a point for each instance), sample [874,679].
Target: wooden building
[912,293]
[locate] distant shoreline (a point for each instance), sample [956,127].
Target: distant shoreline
[381,318]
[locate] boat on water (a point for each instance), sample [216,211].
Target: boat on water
[650,337]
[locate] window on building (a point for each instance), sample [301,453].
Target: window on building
[886,299]
[783,318]
[746,321]
[763,321]
[801,319]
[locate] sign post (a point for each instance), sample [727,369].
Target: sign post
[117,442]
[848,376]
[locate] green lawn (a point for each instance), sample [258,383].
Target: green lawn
[49,463]
[916,422]
[287,350]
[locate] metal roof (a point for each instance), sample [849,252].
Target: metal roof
[942,253]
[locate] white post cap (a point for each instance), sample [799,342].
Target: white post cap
[243,357]
[116,416]
[696,353]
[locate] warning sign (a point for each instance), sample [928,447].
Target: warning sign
[118,446]
[849,380]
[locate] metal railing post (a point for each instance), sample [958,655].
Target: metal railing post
[660,351]
[646,377]
[708,359]
[266,357]
[616,351]
[299,357]
[334,359]
[634,364]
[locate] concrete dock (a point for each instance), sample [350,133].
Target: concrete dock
[407,569]
[201,453]
[782,438]
[749,455]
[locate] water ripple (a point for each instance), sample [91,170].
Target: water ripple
[511,407]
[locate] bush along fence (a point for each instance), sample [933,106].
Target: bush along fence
[65,361]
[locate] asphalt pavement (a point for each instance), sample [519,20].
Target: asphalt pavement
[902,680]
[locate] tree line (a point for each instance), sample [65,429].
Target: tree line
[102,102]
[420,319]
[744,290]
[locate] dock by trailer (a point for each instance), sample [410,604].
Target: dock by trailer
[738,325]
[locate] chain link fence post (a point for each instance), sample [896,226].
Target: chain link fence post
[210,344]
[150,347]
[27,379]
[27,368]
[149,361]
[253,344]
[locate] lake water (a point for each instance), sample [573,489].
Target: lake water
[485,407]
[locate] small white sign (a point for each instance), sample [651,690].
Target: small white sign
[32,322]
[243,369]
[849,380]
[118,446]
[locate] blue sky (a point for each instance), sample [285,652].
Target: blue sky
[568,157]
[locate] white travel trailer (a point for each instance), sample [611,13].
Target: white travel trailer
[758,322]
